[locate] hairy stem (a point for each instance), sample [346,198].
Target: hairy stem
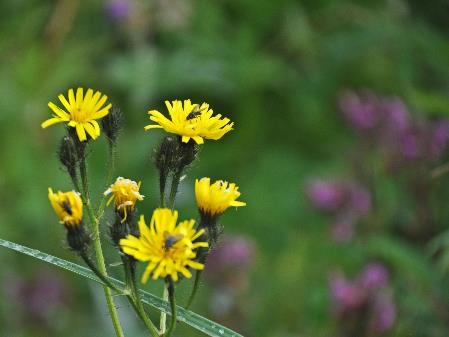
[97,246]
[162,182]
[171,297]
[111,169]
[174,187]
[196,284]
[134,297]
[99,274]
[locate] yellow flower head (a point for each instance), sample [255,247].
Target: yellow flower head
[190,121]
[81,112]
[68,207]
[168,247]
[125,192]
[214,199]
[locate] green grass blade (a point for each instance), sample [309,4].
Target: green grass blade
[188,317]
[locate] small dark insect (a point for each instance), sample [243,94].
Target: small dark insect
[170,240]
[195,112]
[66,207]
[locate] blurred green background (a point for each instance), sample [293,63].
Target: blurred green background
[275,68]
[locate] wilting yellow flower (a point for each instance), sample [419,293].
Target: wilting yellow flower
[68,207]
[80,112]
[125,192]
[214,199]
[190,121]
[168,247]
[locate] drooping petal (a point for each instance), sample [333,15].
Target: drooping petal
[51,121]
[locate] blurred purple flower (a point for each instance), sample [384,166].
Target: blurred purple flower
[365,297]
[232,257]
[360,110]
[396,115]
[360,199]
[410,144]
[384,313]
[374,276]
[347,295]
[39,297]
[347,201]
[326,195]
[118,10]
[439,138]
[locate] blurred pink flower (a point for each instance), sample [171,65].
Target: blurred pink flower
[325,195]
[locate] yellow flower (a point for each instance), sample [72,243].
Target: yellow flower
[168,247]
[81,112]
[125,192]
[214,199]
[190,121]
[68,207]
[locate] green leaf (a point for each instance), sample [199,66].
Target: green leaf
[188,317]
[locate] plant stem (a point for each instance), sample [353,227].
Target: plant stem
[99,274]
[134,297]
[111,169]
[162,182]
[97,246]
[173,190]
[174,187]
[171,295]
[194,289]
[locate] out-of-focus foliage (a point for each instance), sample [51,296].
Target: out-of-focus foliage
[276,68]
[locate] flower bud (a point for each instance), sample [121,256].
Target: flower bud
[68,155]
[166,155]
[69,209]
[187,153]
[120,228]
[77,238]
[125,192]
[213,200]
[112,124]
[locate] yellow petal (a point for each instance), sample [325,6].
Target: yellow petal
[64,102]
[103,112]
[51,121]
[81,132]
[90,130]
[58,111]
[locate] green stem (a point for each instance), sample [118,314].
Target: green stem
[99,274]
[134,297]
[162,182]
[76,183]
[111,169]
[97,247]
[174,187]
[194,289]
[173,190]
[171,296]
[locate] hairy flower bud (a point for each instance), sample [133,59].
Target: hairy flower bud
[112,124]
[77,238]
[68,155]
[166,154]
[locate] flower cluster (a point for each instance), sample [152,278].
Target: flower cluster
[387,123]
[347,203]
[366,299]
[172,250]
